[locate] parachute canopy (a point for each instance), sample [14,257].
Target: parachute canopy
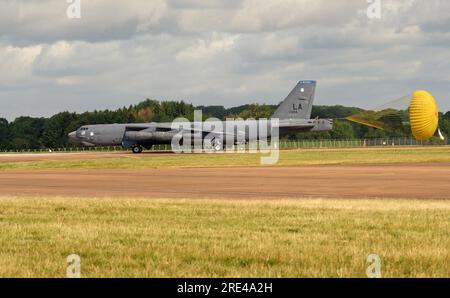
[423,115]
[416,114]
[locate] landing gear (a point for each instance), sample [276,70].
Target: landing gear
[241,147]
[217,145]
[136,149]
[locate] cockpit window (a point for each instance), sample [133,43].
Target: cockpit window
[83,130]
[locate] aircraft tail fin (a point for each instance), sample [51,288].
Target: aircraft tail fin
[298,104]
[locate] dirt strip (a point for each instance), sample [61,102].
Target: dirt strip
[415,181]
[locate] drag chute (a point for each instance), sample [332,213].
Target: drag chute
[416,114]
[423,115]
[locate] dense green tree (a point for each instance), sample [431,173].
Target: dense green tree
[342,130]
[166,111]
[333,112]
[445,124]
[218,112]
[373,133]
[56,129]
[26,133]
[236,111]
[256,111]
[174,109]
[4,134]
[320,135]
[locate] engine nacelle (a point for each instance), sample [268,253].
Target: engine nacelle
[145,136]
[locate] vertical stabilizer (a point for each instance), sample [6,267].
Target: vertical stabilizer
[298,104]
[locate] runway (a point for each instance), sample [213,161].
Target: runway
[409,181]
[64,156]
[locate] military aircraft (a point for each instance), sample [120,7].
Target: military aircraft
[293,116]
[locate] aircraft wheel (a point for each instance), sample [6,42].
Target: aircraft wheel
[136,149]
[217,145]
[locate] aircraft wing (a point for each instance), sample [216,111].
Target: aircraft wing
[166,127]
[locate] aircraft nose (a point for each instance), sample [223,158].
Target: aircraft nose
[73,136]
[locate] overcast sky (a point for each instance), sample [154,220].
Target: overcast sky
[226,52]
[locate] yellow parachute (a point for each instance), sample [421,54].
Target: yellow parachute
[423,115]
[417,114]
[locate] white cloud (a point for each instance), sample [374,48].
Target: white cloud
[46,20]
[15,64]
[217,52]
[205,50]
[274,15]
[76,58]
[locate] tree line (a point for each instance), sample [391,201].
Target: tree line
[41,133]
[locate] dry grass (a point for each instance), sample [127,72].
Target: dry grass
[205,238]
[287,158]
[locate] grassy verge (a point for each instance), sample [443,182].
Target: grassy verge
[177,238]
[287,158]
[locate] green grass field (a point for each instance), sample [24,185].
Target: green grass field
[287,158]
[203,238]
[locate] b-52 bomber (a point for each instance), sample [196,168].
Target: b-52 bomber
[292,116]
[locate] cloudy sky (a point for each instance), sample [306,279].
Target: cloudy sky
[226,52]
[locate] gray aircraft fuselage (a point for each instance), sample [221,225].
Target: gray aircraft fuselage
[148,134]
